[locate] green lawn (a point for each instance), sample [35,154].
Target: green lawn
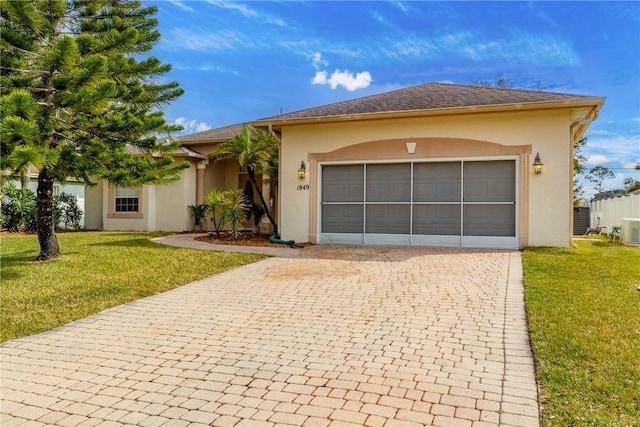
[584,320]
[95,272]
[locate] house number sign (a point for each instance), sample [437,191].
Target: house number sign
[302,187]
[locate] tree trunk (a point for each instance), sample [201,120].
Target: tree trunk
[25,178]
[252,176]
[49,248]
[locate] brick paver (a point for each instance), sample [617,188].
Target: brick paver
[329,335]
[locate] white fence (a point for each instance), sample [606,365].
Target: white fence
[611,211]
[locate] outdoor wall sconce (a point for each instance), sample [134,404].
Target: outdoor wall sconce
[302,170]
[537,165]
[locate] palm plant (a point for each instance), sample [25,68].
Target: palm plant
[199,213]
[215,201]
[256,150]
[234,206]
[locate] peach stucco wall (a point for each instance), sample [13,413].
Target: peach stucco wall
[544,200]
[163,207]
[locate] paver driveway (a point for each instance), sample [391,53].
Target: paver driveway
[336,336]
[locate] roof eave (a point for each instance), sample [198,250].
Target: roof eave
[596,102]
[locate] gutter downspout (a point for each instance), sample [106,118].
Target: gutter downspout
[279,140]
[591,117]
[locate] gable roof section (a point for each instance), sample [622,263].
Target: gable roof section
[433,99]
[212,135]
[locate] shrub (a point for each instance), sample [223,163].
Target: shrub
[18,208]
[66,211]
[19,213]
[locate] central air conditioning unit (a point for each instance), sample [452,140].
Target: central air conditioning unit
[630,233]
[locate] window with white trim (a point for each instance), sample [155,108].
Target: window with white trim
[126,200]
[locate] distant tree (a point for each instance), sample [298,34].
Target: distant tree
[631,184]
[599,175]
[257,150]
[80,99]
[500,82]
[579,162]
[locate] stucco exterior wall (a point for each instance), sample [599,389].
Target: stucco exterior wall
[545,199]
[172,201]
[162,207]
[93,213]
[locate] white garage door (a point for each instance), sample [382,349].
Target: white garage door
[466,203]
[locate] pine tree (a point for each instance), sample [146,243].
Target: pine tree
[80,97]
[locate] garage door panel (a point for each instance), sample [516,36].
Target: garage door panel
[489,220]
[436,220]
[489,181]
[436,182]
[344,183]
[389,183]
[388,219]
[342,219]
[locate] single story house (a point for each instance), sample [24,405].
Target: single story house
[434,164]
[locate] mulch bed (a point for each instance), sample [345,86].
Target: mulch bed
[246,239]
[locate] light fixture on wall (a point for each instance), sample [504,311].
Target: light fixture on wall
[302,170]
[537,165]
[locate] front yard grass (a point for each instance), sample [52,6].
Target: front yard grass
[97,270]
[584,321]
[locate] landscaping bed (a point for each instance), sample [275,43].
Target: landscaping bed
[245,239]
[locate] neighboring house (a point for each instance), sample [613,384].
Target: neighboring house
[165,207]
[435,164]
[71,186]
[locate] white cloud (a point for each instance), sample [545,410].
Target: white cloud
[191,126]
[181,5]
[248,12]
[202,41]
[317,61]
[343,78]
[522,48]
[205,68]
[597,159]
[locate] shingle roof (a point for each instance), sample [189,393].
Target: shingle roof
[427,97]
[218,134]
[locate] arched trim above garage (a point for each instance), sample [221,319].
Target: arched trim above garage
[424,148]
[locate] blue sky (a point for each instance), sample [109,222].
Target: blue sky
[241,61]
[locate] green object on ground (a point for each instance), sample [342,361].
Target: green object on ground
[276,239]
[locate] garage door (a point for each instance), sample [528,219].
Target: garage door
[457,203]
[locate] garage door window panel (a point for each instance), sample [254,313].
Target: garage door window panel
[489,220]
[342,219]
[388,219]
[343,183]
[436,182]
[491,181]
[436,220]
[389,183]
